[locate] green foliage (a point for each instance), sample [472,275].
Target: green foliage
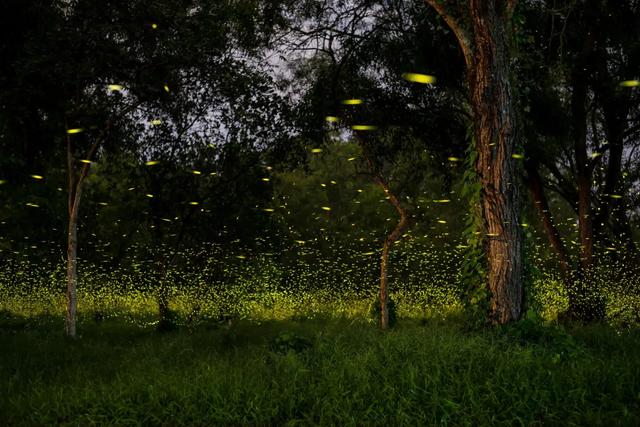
[287,341]
[169,321]
[533,330]
[473,268]
[375,312]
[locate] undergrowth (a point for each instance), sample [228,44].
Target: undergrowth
[322,371]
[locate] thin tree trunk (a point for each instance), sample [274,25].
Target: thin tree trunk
[75,183]
[583,170]
[389,240]
[495,132]
[72,275]
[615,108]
[384,260]
[542,207]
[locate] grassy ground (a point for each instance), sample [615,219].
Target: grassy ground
[329,372]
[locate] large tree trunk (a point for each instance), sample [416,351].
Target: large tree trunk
[495,132]
[485,47]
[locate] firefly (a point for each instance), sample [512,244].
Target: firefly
[265,179]
[352,102]
[268,210]
[32,205]
[442,201]
[73,131]
[154,26]
[194,203]
[453,159]
[363,127]
[316,150]
[156,122]
[166,88]
[517,156]
[615,196]
[630,83]
[326,208]
[3,181]
[331,119]
[351,159]
[115,88]
[152,162]
[442,221]
[37,177]
[196,172]
[149,195]
[419,78]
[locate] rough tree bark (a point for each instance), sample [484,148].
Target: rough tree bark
[485,46]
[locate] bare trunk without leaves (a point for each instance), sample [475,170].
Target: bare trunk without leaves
[583,168]
[390,240]
[75,183]
[495,131]
[72,275]
[384,259]
[542,207]
[75,195]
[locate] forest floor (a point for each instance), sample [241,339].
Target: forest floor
[308,372]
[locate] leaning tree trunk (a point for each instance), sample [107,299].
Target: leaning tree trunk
[495,133]
[550,230]
[386,249]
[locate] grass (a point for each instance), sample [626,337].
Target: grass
[322,371]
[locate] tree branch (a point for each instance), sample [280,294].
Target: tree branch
[461,34]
